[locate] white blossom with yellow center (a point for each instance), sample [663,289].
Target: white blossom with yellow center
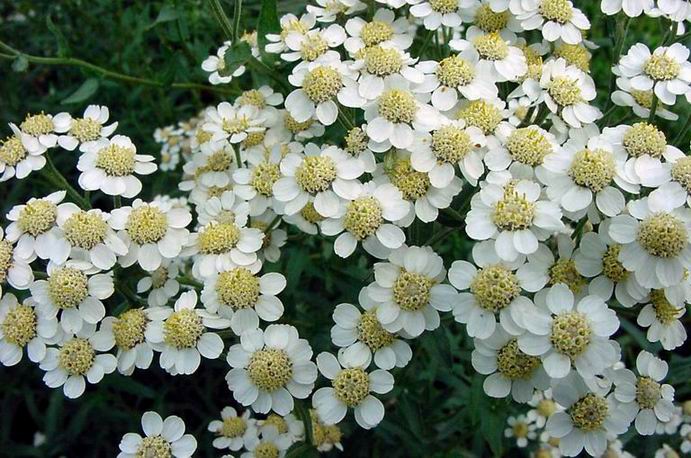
[568,91]
[231,123]
[83,131]
[557,19]
[308,46]
[161,284]
[14,269]
[379,63]
[520,150]
[662,316]
[24,326]
[232,430]
[496,57]
[20,154]
[384,28]
[215,65]
[162,439]
[40,129]
[255,182]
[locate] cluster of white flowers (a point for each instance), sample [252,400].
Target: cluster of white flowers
[577,223]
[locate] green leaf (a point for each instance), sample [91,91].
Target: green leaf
[168,13]
[235,56]
[85,91]
[304,415]
[301,450]
[267,23]
[20,64]
[63,46]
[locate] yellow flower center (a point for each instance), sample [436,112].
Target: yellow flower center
[232,427]
[182,329]
[85,129]
[528,146]
[546,407]
[351,386]
[363,217]
[19,326]
[203,136]
[277,421]
[217,191]
[252,97]
[491,46]
[12,151]
[397,106]
[489,21]
[85,230]
[576,55]
[310,214]
[411,291]
[77,356]
[495,287]
[661,67]
[564,91]
[513,212]
[643,138]
[355,141]
[324,434]
[159,277]
[146,224]
[218,238]
[513,364]
[382,61]
[296,127]
[681,172]
[38,124]
[253,139]
[450,144]
[648,392]
[612,267]
[270,369]
[444,6]
[454,71]
[589,413]
[6,252]
[571,333]
[264,175]
[129,328]
[315,174]
[236,124]
[564,271]
[482,115]
[237,288]
[520,429]
[663,235]
[37,217]
[593,169]
[371,332]
[67,287]
[154,447]
[322,84]
[116,160]
[313,46]
[643,98]
[665,312]
[412,184]
[376,32]
[266,450]
[559,11]
[293,25]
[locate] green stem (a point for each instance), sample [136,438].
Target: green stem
[682,132]
[425,44]
[59,180]
[439,236]
[117,202]
[237,14]
[273,222]
[343,118]
[222,19]
[653,108]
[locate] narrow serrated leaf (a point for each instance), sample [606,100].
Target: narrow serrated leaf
[84,92]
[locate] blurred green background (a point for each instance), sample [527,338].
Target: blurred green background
[437,408]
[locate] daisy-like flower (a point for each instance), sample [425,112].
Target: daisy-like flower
[438,153]
[557,19]
[181,335]
[267,442]
[631,8]
[360,332]
[87,235]
[162,283]
[485,114]
[667,71]
[396,115]
[588,419]
[662,317]
[378,64]
[84,131]
[233,431]
[565,334]
[567,91]
[522,429]
[521,150]
[655,241]
[255,182]
[543,407]
[24,326]
[497,57]
[597,257]
[78,356]
[640,101]
[324,176]
[111,165]
[494,292]
[583,172]
[285,424]
[351,387]
[40,130]
[329,10]
[215,65]
[224,208]
[310,45]
[515,215]
[270,367]
[161,438]
[357,144]
[243,296]
[424,200]
[14,269]
[231,123]
[644,397]
[153,232]
[16,159]
[75,292]
[289,24]
[321,85]
[384,28]
[509,370]
[454,75]
[326,437]
[439,13]
[128,332]
[408,290]
[274,238]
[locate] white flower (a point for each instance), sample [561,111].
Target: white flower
[360,332]
[270,367]
[543,407]
[153,232]
[215,66]
[24,326]
[329,10]
[231,123]
[14,269]
[662,318]
[438,13]
[677,10]
[181,335]
[384,28]
[83,131]
[522,429]
[643,396]
[639,101]
[274,238]
[288,424]
[485,114]
[496,56]
[267,442]
[254,183]
[588,419]
[289,24]
[557,19]
[567,91]
[226,208]
[128,332]
[321,85]
[409,292]
[111,165]
[78,356]
[74,291]
[667,71]
[326,436]
[631,8]
[233,431]
[494,293]
[515,215]
[16,157]
[396,115]
[655,241]
[522,150]
[543,269]
[40,130]
[87,235]
[378,64]
[325,175]
[565,334]
[162,283]
[161,436]
[242,296]
[451,144]
[510,370]
[351,386]
[310,45]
